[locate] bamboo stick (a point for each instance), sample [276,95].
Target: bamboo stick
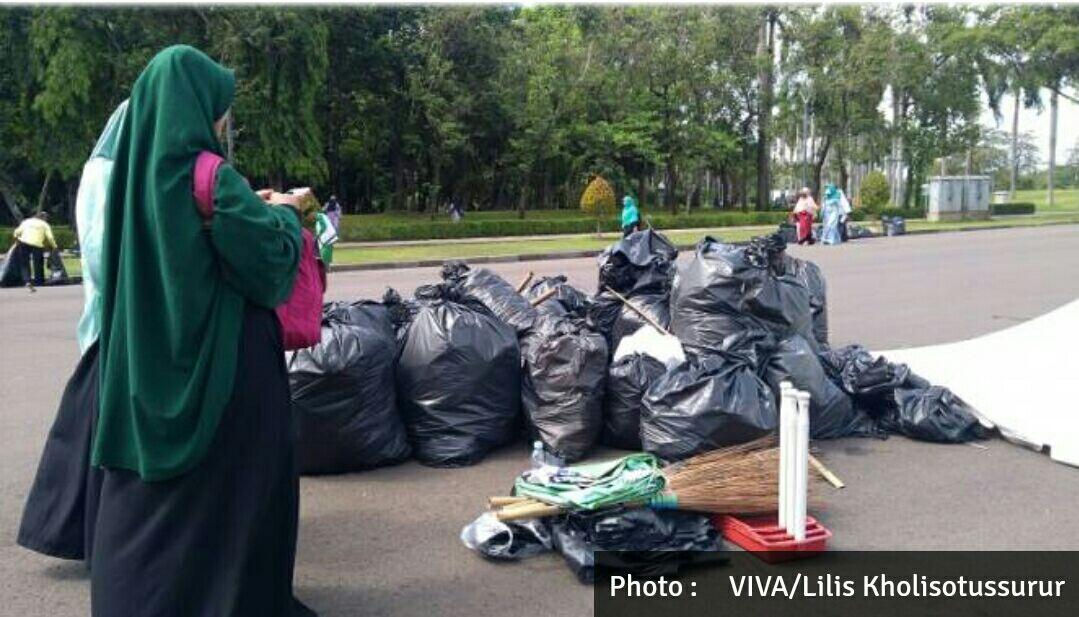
[643,315]
[502,501]
[825,472]
[547,295]
[536,510]
[525,281]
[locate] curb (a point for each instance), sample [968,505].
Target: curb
[433,263]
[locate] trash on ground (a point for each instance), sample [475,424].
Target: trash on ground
[641,541]
[492,291]
[506,541]
[458,379]
[568,300]
[343,395]
[708,403]
[653,343]
[564,370]
[628,378]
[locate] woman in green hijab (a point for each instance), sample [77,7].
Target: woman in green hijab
[199,501]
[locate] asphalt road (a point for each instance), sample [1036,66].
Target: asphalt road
[386,542]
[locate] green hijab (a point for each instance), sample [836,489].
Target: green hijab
[173,292]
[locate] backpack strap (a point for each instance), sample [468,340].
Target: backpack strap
[205,180]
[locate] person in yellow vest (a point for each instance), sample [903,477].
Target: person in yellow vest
[32,237]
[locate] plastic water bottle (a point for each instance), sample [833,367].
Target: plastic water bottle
[539,456]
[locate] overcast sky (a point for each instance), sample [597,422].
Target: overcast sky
[1037,122]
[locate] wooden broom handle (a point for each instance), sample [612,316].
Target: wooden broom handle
[547,295]
[500,501]
[825,472]
[536,510]
[644,316]
[525,281]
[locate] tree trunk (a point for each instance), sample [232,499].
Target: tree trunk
[642,186]
[818,166]
[1054,103]
[765,57]
[44,193]
[11,201]
[672,185]
[1015,147]
[522,200]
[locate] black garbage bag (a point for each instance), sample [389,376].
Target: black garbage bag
[642,262]
[832,414]
[789,231]
[811,276]
[932,414]
[458,379]
[870,381]
[893,225]
[54,263]
[565,367]
[641,541]
[507,541]
[343,393]
[10,273]
[568,300]
[616,321]
[714,401]
[627,381]
[726,289]
[492,291]
[855,232]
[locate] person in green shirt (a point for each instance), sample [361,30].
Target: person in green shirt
[631,217]
[325,237]
[199,500]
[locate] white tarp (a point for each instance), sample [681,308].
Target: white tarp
[1023,379]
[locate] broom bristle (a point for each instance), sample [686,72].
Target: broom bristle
[742,479]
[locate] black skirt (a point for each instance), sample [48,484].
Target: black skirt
[219,541]
[60,511]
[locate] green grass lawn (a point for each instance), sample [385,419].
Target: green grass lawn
[1066,200]
[434,250]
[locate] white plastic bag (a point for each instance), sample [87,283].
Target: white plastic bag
[651,342]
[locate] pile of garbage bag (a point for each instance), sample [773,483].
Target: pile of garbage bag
[900,401]
[343,394]
[564,370]
[458,378]
[445,374]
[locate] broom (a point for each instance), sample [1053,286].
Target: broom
[741,479]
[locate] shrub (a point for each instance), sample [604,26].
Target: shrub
[364,228]
[598,200]
[874,193]
[64,234]
[1012,208]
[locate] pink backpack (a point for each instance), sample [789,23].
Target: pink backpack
[301,314]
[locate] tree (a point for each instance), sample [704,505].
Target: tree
[874,191]
[280,58]
[598,201]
